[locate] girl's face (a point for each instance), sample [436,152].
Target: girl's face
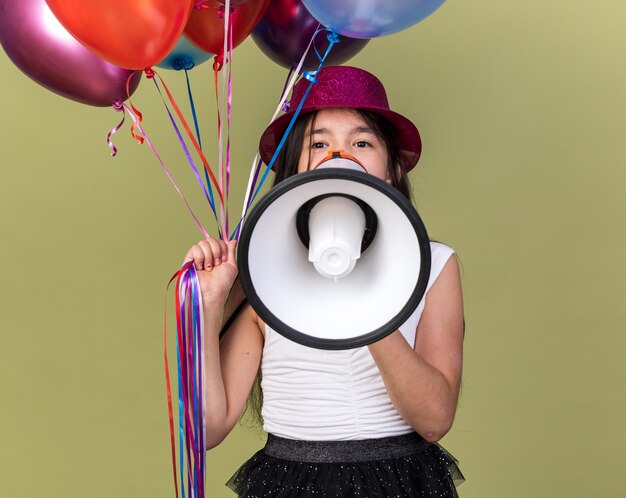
[343,129]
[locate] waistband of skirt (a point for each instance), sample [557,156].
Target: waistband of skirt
[360,450]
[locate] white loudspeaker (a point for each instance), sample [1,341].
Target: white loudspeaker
[334,258]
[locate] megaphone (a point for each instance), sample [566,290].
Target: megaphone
[334,258]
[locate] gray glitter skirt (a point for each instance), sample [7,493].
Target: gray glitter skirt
[402,466]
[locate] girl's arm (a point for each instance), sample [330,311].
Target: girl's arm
[423,383]
[230,365]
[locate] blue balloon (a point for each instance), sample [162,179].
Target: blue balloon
[185,55]
[370,18]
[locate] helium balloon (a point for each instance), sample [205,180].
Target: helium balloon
[285,31]
[370,18]
[135,34]
[43,49]
[205,28]
[185,55]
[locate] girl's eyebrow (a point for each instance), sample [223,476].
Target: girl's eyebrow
[363,129]
[358,129]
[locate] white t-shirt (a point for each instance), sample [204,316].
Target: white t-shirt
[319,395]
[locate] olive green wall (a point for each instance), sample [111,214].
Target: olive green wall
[522,107]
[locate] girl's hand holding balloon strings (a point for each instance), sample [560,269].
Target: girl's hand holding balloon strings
[216,266]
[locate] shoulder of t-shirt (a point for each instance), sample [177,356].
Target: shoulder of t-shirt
[439,256]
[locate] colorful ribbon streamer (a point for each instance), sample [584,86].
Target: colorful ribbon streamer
[189,320]
[198,136]
[193,140]
[190,369]
[119,107]
[224,106]
[188,155]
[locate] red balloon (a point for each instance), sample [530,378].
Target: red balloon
[205,27]
[134,34]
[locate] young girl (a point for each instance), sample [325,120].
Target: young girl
[361,422]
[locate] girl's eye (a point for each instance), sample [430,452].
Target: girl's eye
[362,143]
[318,145]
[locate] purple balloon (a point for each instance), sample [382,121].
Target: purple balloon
[43,49]
[285,31]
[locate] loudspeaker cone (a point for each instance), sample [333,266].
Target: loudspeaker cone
[369,275]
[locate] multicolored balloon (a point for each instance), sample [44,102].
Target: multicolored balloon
[205,28]
[43,49]
[370,18]
[285,31]
[184,56]
[134,34]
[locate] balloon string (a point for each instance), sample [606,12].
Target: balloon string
[221,105]
[311,77]
[254,172]
[330,35]
[191,381]
[198,136]
[136,122]
[167,173]
[190,160]
[193,109]
[186,327]
[181,347]
[260,162]
[254,175]
[291,70]
[229,101]
[191,137]
[188,317]
[119,108]
[199,385]
[217,66]
[168,387]
[194,299]
[202,372]
[257,161]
